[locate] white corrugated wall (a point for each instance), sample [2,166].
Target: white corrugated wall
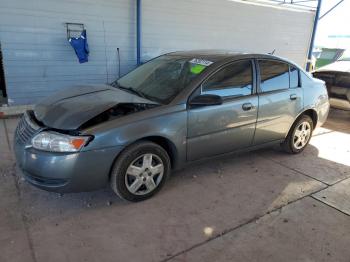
[38,60]
[226,24]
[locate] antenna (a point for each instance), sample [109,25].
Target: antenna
[271,53]
[118,55]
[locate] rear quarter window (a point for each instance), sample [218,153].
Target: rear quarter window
[294,77]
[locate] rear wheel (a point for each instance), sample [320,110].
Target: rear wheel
[299,135]
[140,171]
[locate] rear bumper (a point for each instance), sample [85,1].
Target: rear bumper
[322,112]
[64,173]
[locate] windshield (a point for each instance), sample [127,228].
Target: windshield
[162,78]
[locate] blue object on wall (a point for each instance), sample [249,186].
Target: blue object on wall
[80,46]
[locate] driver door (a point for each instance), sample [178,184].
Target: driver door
[219,129]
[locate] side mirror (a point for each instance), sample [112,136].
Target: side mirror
[206,100]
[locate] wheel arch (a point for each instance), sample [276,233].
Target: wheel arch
[166,144]
[311,113]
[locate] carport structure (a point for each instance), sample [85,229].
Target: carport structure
[262,206]
[38,60]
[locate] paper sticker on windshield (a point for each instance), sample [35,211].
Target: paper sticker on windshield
[201,62]
[198,65]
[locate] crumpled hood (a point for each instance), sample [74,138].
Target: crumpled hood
[70,108]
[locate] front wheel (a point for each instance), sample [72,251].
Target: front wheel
[140,171]
[299,135]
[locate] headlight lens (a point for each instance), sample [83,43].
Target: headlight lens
[56,142]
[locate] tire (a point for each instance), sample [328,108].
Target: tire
[135,169]
[291,144]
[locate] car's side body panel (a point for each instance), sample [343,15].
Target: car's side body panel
[220,129]
[276,114]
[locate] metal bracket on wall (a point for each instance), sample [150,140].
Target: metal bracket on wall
[74,29]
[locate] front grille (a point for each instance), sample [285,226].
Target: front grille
[46,181]
[26,129]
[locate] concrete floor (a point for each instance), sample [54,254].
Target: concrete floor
[261,206]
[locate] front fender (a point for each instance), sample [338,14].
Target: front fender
[171,126]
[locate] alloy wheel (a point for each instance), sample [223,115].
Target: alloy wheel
[302,135]
[144,174]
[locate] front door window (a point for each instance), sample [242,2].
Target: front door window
[234,80]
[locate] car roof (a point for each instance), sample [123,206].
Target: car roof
[221,55]
[219,58]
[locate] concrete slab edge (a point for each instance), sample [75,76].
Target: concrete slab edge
[9,111]
[258,217]
[245,223]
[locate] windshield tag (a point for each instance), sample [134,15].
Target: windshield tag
[201,62]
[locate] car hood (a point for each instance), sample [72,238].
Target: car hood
[71,108]
[338,66]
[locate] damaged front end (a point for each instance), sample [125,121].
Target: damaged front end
[57,123]
[34,133]
[117,111]
[54,160]
[72,109]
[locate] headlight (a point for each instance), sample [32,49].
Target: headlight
[56,142]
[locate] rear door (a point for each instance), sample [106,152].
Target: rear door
[280,100]
[223,128]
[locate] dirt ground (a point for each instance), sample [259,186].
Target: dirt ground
[257,206]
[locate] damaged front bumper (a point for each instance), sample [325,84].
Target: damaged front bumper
[61,172]
[66,172]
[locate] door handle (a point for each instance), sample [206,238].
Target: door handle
[247,106]
[293,97]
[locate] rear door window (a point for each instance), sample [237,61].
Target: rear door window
[274,75]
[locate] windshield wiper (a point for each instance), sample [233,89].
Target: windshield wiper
[132,90]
